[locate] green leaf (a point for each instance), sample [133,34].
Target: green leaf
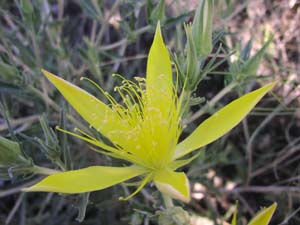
[8,72]
[91,10]
[173,184]
[50,145]
[158,13]
[26,6]
[264,216]
[173,21]
[85,180]
[10,153]
[95,112]
[252,64]
[173,216]
[221,122]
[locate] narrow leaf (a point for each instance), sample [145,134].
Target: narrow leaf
[221,122]
[252,64]
[158,12]
[8,72]
[85,180]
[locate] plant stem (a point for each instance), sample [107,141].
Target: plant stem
[212,102]
[121,42]
[43,170]
[168,201]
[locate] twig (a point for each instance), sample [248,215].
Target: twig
[128,58]
[263,189]
[125,40]
[20,121]
[15,208]
[249,147]
[17,189]
[212,102]
[287,218]
[275,162]
[257,189]
[239,9]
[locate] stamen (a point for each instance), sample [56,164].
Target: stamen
[91,141]
[138,97]
[117,153]
[106,153]
[111,100]
[144,182]
[84,133]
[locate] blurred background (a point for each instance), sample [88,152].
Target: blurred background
[256,164]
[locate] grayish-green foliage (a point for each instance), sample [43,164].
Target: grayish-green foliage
[98,38]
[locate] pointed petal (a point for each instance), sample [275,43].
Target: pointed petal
[159,112]
[159,81]
[264,216]
[95,112]
[221,122]
[234,218]
[85,180]
[174,184]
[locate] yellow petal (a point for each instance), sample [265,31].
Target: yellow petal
[234,218]
[160,115]
[174,184]
[221,122]
[264,216]
[159,81]
[95,112]
[85,180]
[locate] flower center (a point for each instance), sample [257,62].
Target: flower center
[148,133]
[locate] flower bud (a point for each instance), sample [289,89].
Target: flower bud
[12,159]
[202,27]
[173,216]
[10,153]
[192,64]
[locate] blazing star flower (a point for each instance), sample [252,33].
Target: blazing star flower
[144,130]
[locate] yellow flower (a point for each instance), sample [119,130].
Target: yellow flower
[143,130]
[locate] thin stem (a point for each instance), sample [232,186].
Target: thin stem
[123,41]
[212,102]
[43,170]
[254,135]
[55,106]
[13,190]
[20,121]
[168,201]
[61,165]
[14,209]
